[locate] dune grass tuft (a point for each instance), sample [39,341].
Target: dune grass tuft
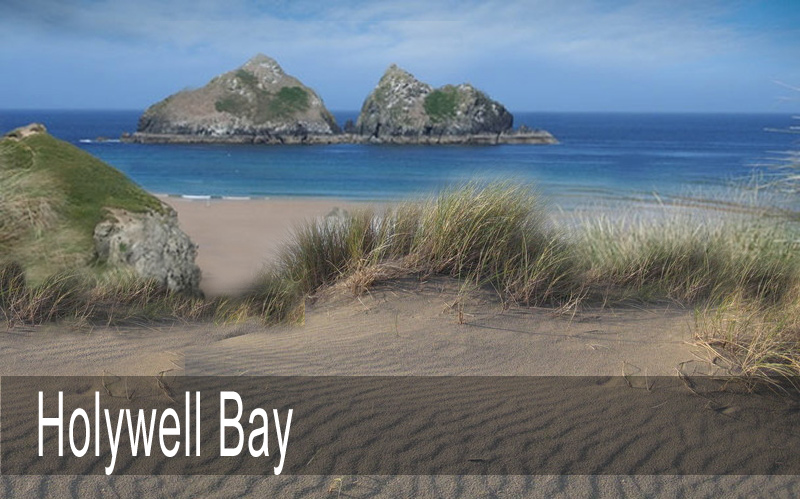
[690,257]
[499,235]
[493,234]
[116,297]
[758,341]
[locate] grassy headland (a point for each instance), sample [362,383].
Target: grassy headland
[52,195]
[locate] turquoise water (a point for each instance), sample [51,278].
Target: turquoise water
[600,156]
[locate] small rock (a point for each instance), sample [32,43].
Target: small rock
[151,243]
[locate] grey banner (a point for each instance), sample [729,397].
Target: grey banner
[397,426]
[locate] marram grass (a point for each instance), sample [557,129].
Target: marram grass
[688,257]
[115,297]
[493,235]
[500,235]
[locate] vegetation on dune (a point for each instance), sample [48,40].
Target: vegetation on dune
[498,235]
[492,235]
[741,273]
[84,297]
[689,258]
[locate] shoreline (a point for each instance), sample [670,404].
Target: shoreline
[535,137]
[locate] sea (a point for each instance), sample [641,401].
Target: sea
[644,157]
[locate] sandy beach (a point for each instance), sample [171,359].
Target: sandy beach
[237,237]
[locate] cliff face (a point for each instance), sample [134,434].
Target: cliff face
[402,106]
[63,209]
[256,100]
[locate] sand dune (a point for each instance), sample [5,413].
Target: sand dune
[413,328]
[405,327]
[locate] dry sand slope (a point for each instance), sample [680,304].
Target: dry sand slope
[402,328]
[418,328]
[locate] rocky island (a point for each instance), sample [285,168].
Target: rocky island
[259,103]
[402,109]
[256,103]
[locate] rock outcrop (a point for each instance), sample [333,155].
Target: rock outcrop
[152,244]
[26,131]
[257,102]
[64,209]
[402,106]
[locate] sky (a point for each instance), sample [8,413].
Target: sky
[534,55]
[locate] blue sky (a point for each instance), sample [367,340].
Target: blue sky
[537,55]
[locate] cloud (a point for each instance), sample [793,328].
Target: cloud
[580,32]
[578,53]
